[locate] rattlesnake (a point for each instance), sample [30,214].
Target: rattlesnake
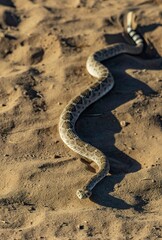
[77,105]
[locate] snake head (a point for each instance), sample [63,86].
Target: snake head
[83,193]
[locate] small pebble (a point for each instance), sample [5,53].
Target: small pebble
[64,224]
[123,123]
[80,227]
[57,156]
[6,155]
[158,80]
[131,148]
[153,180]
[33,208]
[117,185]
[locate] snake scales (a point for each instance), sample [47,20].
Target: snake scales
[77,105]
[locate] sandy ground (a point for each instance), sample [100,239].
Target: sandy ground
[44,45]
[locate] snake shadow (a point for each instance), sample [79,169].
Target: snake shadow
[102,125]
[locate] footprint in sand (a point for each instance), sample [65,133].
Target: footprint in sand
[9,97]
[15,201]
[8,180]
[36,55]
[11,19]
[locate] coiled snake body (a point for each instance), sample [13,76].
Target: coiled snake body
[77,105]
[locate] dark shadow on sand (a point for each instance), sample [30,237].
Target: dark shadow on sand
[102,128]
[7,3]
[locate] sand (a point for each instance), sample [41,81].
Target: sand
[43,50]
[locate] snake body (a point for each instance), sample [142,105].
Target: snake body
[76,106]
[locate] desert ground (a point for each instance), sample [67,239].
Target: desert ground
[44,46]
